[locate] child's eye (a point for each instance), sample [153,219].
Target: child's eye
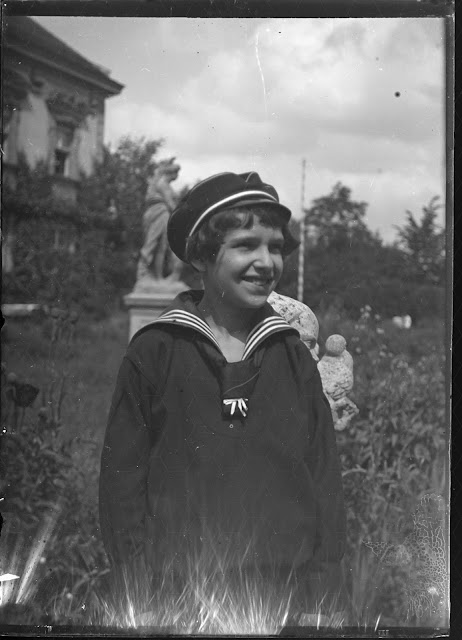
[251,245]
[276,248]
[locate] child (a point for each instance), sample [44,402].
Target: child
[220,442]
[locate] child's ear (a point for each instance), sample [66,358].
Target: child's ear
[198,265]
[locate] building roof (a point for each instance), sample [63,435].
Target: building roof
[25,36]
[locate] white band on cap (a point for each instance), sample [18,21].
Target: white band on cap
[235,196]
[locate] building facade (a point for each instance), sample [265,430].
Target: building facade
[53,106]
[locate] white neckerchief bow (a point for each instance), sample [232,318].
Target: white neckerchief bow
[239,403]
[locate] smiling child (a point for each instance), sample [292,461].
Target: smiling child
[220,442]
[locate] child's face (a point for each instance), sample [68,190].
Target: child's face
[247,268]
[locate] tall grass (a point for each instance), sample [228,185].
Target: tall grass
[392,453]
[50,461]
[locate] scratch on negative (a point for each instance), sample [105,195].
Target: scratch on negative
[261,73]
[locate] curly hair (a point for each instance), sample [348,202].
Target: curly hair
[205,243]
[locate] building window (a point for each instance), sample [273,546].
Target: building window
[64,139]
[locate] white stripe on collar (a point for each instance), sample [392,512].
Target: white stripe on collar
[177,316]
[263,329]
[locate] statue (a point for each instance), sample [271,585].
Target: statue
[158,265]
[335,367]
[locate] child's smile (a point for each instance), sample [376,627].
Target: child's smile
[247,268]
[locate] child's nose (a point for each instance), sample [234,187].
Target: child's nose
[263,258]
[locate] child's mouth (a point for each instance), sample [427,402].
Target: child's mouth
[258,281]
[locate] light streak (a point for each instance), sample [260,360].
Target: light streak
[8,576]
[261,74]
[36,552]
[208,603]
[301,250]
[218,596]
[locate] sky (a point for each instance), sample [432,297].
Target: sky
[361,100]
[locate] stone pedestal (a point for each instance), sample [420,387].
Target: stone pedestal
[146,304]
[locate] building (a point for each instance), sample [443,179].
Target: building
[53,106]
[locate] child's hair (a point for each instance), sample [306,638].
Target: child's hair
[205,243]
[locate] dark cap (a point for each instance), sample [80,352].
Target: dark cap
[219,192]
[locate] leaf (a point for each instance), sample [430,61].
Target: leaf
[48,453]
[25,394]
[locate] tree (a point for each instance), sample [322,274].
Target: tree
[118,188]
[99,236]
[118,184]
[347,266]
[336,220]
[423,245]
[340,251]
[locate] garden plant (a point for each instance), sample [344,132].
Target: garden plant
[393,455]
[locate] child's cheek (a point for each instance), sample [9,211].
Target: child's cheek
[279,266]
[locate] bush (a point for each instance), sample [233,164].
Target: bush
[64,253]
[360,273]
[51,537]
[393,453]
[396,298]
[91,277]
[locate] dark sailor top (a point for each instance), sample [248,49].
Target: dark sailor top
[236,458]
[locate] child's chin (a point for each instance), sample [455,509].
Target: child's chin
[256,301]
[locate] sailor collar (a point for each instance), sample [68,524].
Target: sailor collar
[189,317]
[236,379]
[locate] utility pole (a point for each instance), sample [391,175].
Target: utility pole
[301,250]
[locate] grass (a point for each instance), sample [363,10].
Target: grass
[91,367]
[391,455]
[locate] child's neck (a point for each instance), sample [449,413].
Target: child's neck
[228,321]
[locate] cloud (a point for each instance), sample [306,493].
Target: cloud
[361,100]
[338,75]
[385,177]
[292,81]
[261,94]
[149,121]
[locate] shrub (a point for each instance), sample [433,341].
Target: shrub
[88,277]
[394,452]
[52,537]
[398,297]
[64,253]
